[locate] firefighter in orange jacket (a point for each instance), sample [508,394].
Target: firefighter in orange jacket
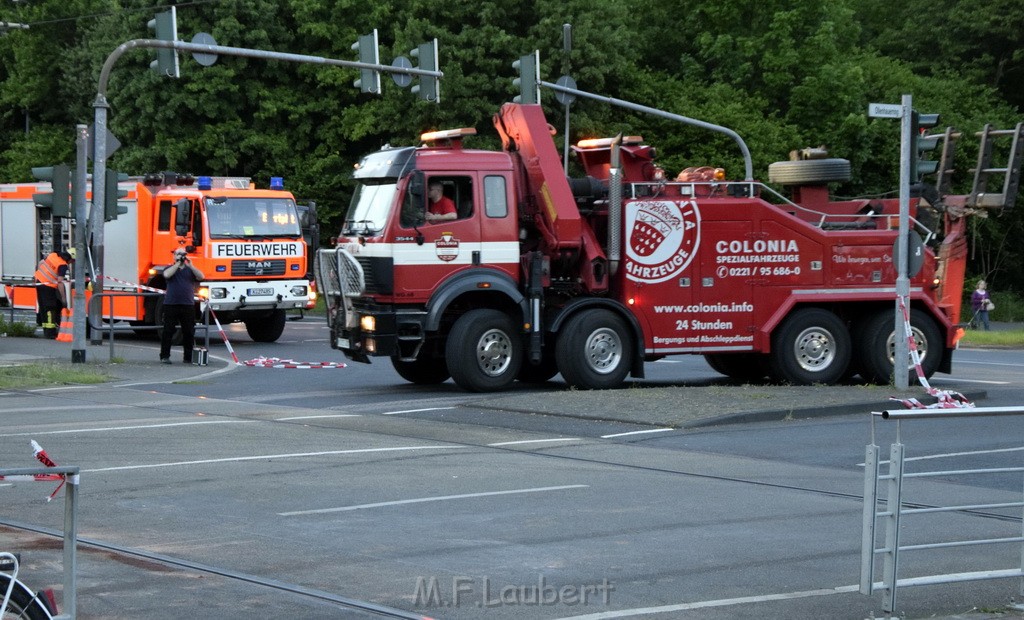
[50,293]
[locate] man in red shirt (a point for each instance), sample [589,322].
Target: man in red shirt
[441,207]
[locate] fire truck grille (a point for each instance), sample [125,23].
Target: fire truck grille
[258,268]
[377,274]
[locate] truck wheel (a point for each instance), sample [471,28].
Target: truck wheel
[594,350]
[811,346]
[742,366]
[422,370]
[877,349]
[809,171]
[267,327]
[484,351]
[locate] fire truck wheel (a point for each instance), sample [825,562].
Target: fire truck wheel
[484,351]
[811,346]
[877,350]
[809,171]
[594,350]
[742,366]
[266,327]
[422,371]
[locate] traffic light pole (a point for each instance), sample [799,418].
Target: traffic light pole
[79,211]
[902,347]
[101,111]
[747,161]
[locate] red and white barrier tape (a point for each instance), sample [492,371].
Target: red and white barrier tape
[45,459]
[945,399]
[274,362]
[223,336]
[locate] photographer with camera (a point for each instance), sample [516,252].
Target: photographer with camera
[179,306]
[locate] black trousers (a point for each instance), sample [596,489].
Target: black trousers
[173,317]
[49,309]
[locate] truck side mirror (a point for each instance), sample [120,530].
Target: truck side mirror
[182,216]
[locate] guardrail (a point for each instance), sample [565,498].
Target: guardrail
[894,510]
[70,563]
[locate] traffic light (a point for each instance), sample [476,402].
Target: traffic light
[59,201]
[165,28]
[113,193]
[369,79]
[529,76]
[922,144]
[429,87]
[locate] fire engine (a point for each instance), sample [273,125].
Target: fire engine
[591,277]
[247,241]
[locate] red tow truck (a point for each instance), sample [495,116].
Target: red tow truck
[591,277]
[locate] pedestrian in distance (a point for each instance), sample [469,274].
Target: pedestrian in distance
[179,306]
[51,296]
[441,207]
[982,304]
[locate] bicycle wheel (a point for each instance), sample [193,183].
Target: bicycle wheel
[24,605]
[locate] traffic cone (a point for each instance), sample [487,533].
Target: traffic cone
[64,335]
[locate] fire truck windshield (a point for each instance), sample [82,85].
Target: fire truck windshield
[239,218]
[371,204]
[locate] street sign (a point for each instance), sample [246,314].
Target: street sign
[204,38]
[402,79]
[112,142]
[885,110]
[565,82]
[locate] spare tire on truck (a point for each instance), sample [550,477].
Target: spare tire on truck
[809,171]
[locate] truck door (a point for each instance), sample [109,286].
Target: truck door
[442,211]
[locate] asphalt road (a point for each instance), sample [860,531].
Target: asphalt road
[298,493]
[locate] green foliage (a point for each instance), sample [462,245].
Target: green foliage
[784,74]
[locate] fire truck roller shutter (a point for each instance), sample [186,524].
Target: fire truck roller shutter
[812,345]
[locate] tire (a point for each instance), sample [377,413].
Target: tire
[540,373]
[484,351]
[809,171]
[877,346]
[812,346]
[266,328]
[422,371]
[741,366]
[23,604]
[594,350]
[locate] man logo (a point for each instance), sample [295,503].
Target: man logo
[257,267]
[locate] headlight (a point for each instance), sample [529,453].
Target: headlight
[368,323]
[218,293]
[299,291]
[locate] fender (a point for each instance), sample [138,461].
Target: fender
[557,317]
[476,280]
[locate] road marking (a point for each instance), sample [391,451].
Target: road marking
[416,410]
[237,459]
[516,443]
[420,500]
[77,408]
[653,430]
[725,602]
[941,381]
[122,428]
[315,417]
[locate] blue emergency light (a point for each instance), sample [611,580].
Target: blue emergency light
[277,183]
[205,183]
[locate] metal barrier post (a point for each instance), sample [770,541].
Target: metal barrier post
[867,542]
[70,545]
[111,323]
[892,528]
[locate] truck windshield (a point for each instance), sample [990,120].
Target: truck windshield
[235,218]
[371,204]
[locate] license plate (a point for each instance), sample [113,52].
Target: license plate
[260,292]
[344,343]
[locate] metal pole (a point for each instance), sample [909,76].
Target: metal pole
[867,542]
[99,191]
[892,530]
[71,545]
[567,49]
[901,356]
[78,202]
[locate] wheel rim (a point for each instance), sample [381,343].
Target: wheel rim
[815,349]
[494,352]
[920,342]
[603,351]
